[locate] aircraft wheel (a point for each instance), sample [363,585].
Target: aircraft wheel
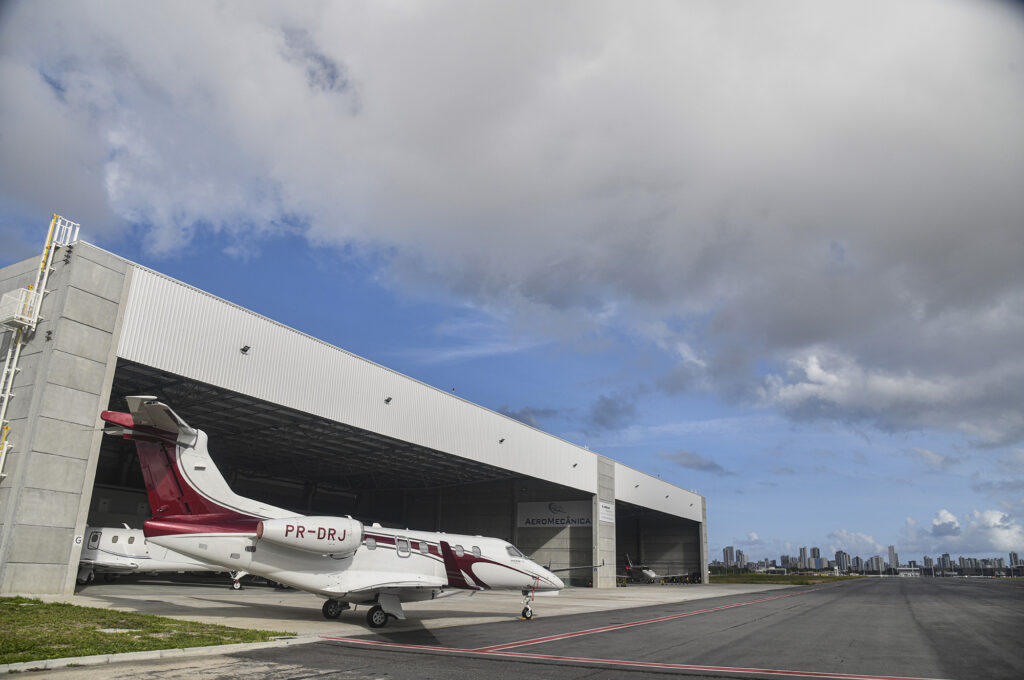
[236,585]
[376,617]
[332,609]
[527,613]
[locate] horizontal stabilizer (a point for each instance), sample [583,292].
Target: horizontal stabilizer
[148,415]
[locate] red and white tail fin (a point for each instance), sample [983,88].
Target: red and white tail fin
[181,478]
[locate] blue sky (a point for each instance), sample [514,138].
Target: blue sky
[768,253]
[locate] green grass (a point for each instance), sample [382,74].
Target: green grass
[778,579]
[31,630]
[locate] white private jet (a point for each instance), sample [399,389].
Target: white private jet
[639,573]
[196,513]
[112,551]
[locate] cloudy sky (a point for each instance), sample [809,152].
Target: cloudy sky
[768,251]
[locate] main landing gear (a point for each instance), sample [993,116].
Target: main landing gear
[377,617]
[332,609]
[236,579]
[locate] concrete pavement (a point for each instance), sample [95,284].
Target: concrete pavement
[210,600]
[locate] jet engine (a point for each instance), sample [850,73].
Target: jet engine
[321,535]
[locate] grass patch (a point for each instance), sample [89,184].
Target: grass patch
[778,579]
[31,630]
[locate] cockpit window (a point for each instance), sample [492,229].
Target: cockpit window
[513,551]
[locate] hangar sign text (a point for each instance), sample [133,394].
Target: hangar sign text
[555,514]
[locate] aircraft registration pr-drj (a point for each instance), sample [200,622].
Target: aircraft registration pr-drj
[196,513]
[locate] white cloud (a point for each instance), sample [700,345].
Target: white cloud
[945,523]
[854,543]
[828,189]
[936,460]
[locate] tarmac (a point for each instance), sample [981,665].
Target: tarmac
[263,607]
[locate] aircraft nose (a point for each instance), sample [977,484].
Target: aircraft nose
[549,581]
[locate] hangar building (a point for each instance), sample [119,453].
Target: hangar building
[294,421]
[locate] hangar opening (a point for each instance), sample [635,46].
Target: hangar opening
[666,544]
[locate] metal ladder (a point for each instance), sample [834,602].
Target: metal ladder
[19,313]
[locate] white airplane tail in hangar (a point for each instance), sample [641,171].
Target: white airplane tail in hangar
[196,513]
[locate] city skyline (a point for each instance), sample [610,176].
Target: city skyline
[843,560]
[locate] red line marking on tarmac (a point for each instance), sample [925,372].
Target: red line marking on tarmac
[623,662]
[620,626]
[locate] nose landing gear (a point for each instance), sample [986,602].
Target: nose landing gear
[527,613]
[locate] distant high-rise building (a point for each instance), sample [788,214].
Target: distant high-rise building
[784,561]
[857,564]
[815,552]
[928,562]
[894,559]
[729,556]
[945,562]
[1014,559]
[741,559]
[803,558]
[842,561]
[875,565]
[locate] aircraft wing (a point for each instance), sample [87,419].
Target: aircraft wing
[563,569]
[113,568]
[361,582]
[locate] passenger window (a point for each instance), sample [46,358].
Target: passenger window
[459,551]
[131,539]
[114,539]
[402,546]
[371,543]
[476,551]
[424,548]
[94,540]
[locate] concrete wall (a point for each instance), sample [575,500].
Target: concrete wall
[64,383]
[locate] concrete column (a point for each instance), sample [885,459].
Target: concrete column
[705,574]
[604,530]
[64,384]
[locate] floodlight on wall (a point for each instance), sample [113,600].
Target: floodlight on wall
[501,441]
[387,400]
[636,486]
[245,349]
[575,464]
